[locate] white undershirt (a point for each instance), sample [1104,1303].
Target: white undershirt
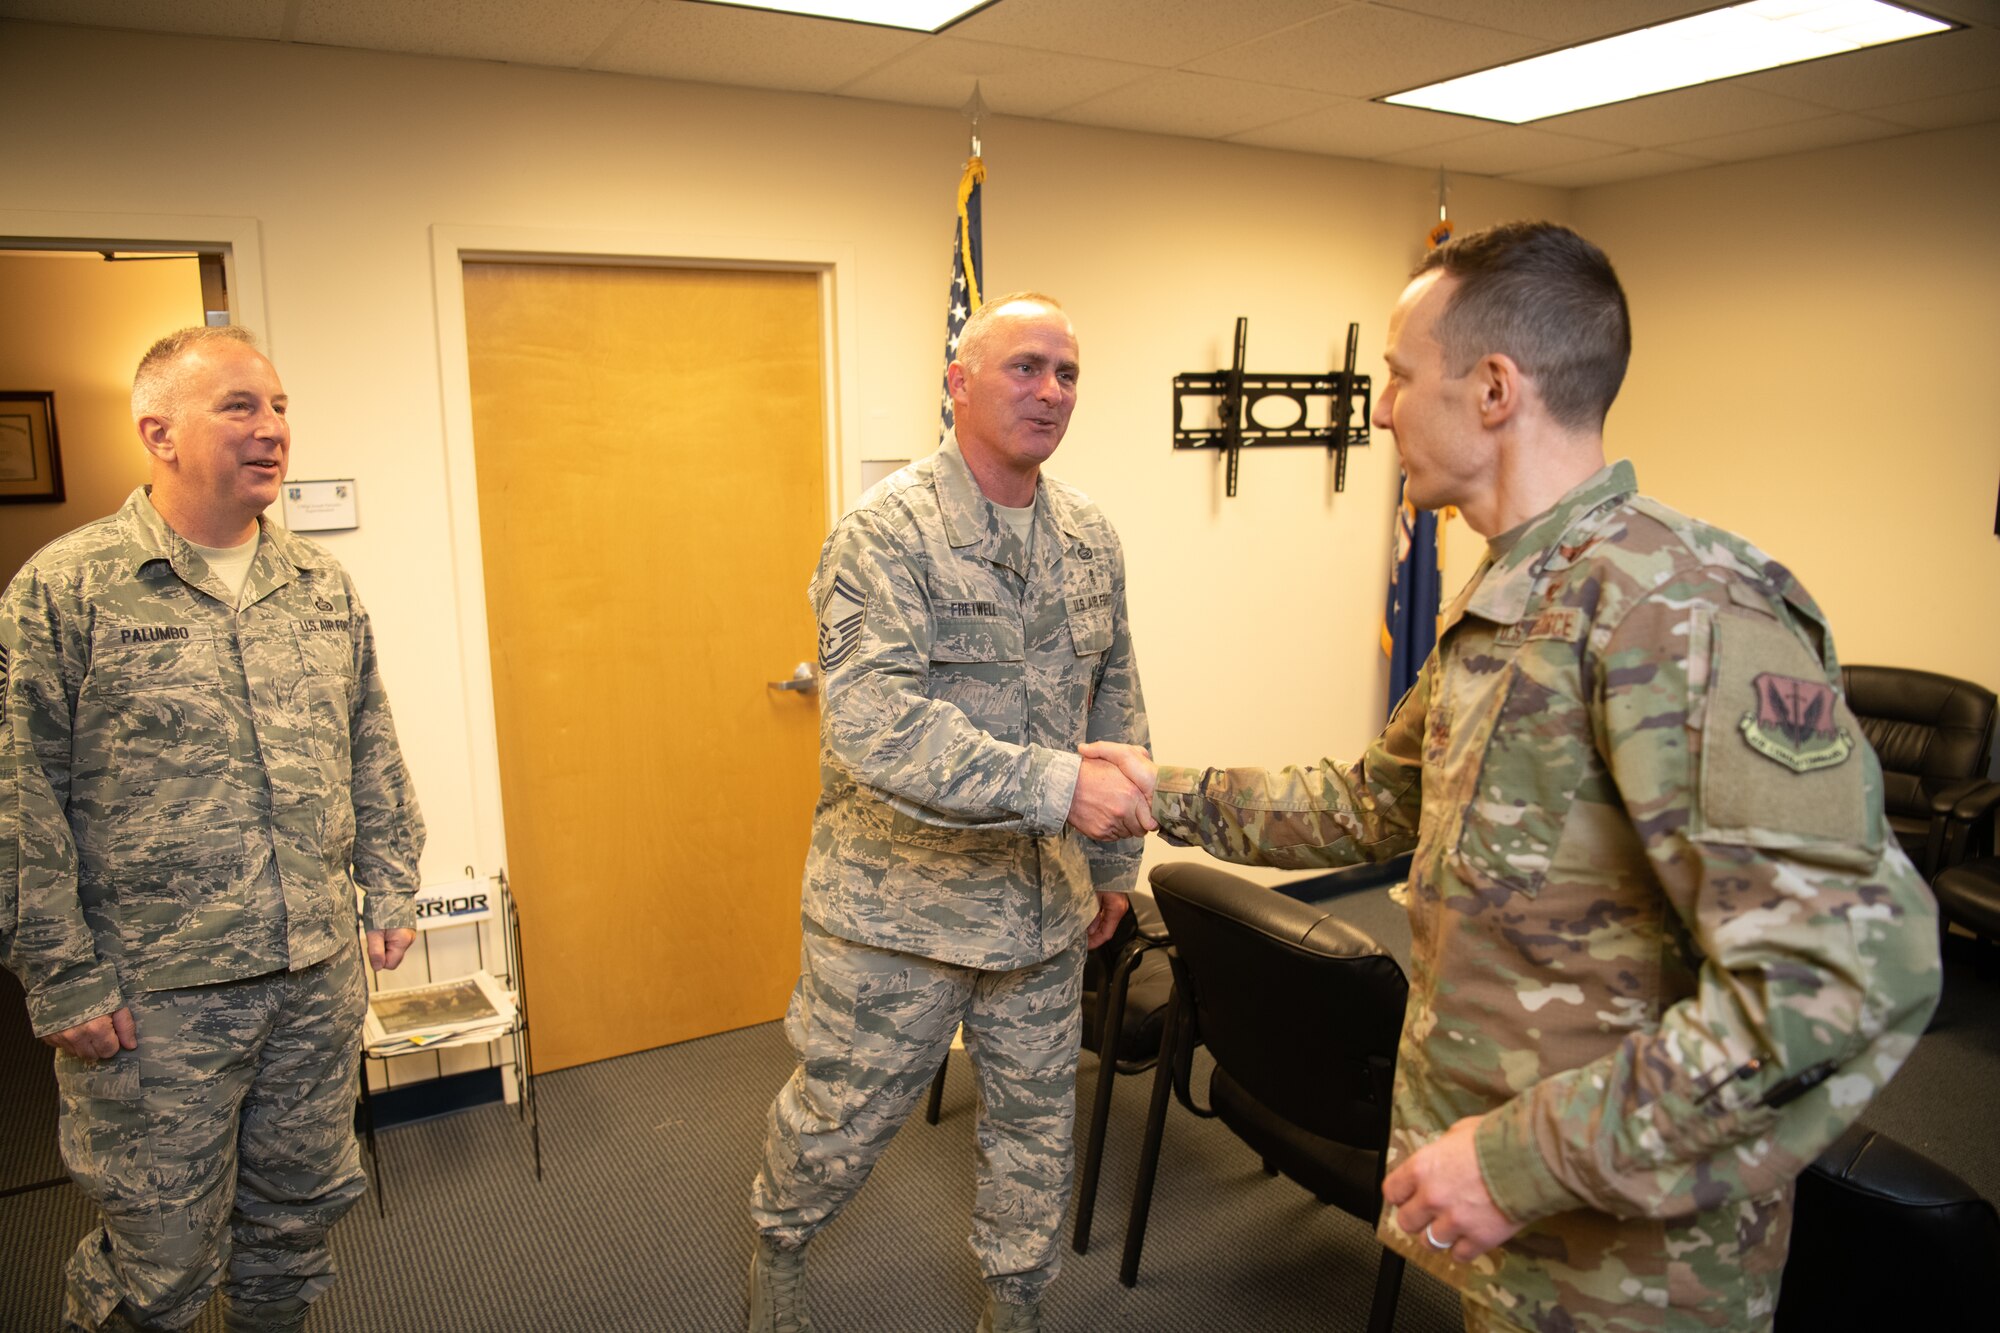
[232,564]
[1021,520]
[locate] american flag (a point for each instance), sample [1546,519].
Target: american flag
[966,267]
[1409,623]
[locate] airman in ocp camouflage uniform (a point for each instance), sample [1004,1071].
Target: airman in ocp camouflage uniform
[196,769]
[972,635]
[1664,947]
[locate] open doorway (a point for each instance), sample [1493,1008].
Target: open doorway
[77,324]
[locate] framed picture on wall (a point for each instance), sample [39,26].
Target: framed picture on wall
[30,459]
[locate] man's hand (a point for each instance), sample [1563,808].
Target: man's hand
[1111,908]
[387,947]
[1440,1195]
[1107,805]
[1133,761]
[100,1038]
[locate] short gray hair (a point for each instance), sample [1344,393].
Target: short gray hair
[978,329]
[158,387]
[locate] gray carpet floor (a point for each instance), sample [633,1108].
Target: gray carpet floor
[639,1222]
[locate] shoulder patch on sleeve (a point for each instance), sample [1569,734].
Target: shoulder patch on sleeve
[840,616]
[1778,767]
[1793,723]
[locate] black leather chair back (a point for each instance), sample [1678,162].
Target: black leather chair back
[1300,1010]
[1885,1238]
[1929,731]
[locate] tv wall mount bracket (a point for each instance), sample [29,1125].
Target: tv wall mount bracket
[1238,392]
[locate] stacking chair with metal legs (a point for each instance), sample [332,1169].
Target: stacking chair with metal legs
[1301,1013]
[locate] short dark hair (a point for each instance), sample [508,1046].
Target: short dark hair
[1541,294]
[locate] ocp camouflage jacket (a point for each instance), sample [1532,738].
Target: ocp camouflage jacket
[189,792]
[958,674]
[1662,939]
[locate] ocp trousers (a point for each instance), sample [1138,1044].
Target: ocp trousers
[223,1145]
[871,1027]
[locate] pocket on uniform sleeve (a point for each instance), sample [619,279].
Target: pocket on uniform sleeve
[1784,764]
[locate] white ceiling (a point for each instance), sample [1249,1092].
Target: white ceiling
[1293,74]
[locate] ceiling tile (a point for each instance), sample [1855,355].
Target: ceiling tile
[1013,80]
[1685,113]
[1365,51]
[1165,33]
[1965,11]
[1501,152]
[219,18]
[1354,128]
[1633,165]
[1802,136]
[1558,20]
[718,44]
[1197,105]
[1941,113]
[1951,62]
[527,31]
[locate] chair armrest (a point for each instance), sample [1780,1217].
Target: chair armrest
[1961,824]
[1974,800]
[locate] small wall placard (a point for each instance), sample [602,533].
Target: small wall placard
[321,506]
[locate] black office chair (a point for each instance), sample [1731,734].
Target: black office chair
[1934,736]
[1301,1014]
[1883,1237]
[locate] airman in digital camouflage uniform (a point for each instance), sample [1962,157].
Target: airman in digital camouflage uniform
[1664,947]
[197,766]
[972,635]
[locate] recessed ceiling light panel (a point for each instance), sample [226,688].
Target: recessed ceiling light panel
[916,15]
[1702,48]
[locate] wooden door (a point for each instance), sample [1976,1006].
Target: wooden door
[649,446]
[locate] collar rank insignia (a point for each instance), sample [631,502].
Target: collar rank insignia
[840,622]
[1793,724]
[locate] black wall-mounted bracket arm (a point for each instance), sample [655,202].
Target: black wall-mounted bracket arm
[1238,392]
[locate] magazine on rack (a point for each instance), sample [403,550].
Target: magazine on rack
[444,1013]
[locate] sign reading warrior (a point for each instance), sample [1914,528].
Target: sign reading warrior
[454,904]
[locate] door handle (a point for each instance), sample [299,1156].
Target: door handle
[802,680]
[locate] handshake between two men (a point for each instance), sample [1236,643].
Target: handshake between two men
[1114,799]
[1114,792]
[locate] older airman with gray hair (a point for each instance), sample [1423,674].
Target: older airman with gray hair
[197,767]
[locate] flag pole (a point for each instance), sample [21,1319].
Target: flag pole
[967,265]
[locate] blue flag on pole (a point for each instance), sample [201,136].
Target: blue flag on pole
[967,269]
[1409,624]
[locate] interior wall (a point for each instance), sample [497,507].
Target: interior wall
[1822,404]
[1814,338]
[77,325]
[1256,616]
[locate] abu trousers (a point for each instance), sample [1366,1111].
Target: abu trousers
[222,1147]
[871,1027]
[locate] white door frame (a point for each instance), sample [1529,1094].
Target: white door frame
[451,247]
[236,238]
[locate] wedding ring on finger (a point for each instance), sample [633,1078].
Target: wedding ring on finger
[1431,1236]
